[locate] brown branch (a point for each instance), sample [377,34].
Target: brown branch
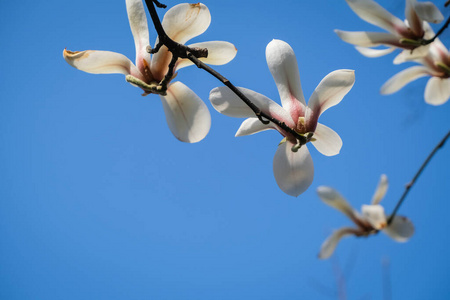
[426,42]
[411,183]
[193,54]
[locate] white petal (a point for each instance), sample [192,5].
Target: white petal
[284,68]
[402,78]
[427,11]
[373,13]
[226,102]
[327,141]
[330,244]
[374,214]
[437,91]
[413,20]
[219,53]
[101,62]
[330,91]
[332,198]
[381,190]
[253,125]
[368,39]
[186,114]
[370,52]
[401,229]
[294,171]
[409,55]
[139,29]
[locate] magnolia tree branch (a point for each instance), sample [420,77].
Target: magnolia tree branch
[426,42]
[411,183]
[193,54]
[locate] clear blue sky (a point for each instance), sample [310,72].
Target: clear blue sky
[99,201]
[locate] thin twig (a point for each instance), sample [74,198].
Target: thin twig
[411,183]
[426,42]
[193,54]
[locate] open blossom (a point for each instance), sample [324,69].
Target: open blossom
[372,220]
[435,64]
[403,35]
[186,114]
[293,168]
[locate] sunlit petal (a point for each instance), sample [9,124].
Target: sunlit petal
[186,114]
[326,140]
[139,29]
[409,55]
[284,68]
[294,171]
[370,52]
[332,198]
[330,244]
[374,214]
[437,91]
[368,39]
[381,190]
[253,125]
[401,229]
[402,78]
[219,53]
[427,11]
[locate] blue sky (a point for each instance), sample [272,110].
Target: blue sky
[99,201]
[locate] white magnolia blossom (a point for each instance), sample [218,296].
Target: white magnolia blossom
[435,64]
[403,35]
[293,170]
[186,114]
[372,219]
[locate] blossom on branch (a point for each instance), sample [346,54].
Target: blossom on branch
[372,220]
[407,35]
[435,64]
[186,114]
[292,165]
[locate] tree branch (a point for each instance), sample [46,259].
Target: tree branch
[426,42]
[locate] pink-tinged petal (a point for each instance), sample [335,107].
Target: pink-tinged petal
[326,140]
[253,125]
[368,39]
[219,53]
[332,198]
[284,68]
[414,22]
[294,171]
[139,29]
[370,52]
[373,13]
[374,214]
[402,78]
[226,102]
[427,11]
[186,114]
[437,91]
[181,23]
[330,91]
[330,244]
[381,190]
[101,62]
[400,230]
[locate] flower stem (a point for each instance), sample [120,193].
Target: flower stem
[411,183]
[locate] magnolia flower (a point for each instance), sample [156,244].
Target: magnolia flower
[186,114]
[372,220]
[435,64]
[292,166]
[406,35]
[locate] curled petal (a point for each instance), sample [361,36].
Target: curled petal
[374,214]
[327,141]
[381,190]
[139,29]
[101,62]
[219,53]
[294,171]
[370,52]
[330,244]
[427,11]
[186,114]
[400,229]
[402,78]
[437,91]
[226,102]
[368,39]
[373,13]
[413,20]
[253,125]
[332,198]
[283,66]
